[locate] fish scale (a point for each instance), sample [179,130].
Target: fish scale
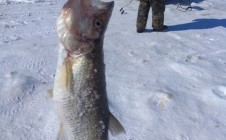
[82,100]
[72,111]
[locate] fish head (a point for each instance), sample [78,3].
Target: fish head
[82,23]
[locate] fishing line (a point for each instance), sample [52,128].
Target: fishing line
[122,9]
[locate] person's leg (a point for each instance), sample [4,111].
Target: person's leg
[142,16]
[158,9]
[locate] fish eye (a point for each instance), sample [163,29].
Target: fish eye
[98,23]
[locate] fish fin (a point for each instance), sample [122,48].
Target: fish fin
[115,127]
[64,76]
[69,74]
[49,94]
[61,133]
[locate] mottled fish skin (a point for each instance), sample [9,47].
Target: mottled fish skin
[80,87]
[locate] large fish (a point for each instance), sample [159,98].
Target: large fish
[80,87]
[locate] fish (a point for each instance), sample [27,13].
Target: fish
[80,85]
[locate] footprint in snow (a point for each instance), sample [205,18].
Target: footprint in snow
[18,91]
[220,91]
[160,99]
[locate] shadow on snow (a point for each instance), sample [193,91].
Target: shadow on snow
[182,1]
[198,24]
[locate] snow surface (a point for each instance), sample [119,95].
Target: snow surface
[161,85]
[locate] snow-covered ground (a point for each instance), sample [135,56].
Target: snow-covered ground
[161,85]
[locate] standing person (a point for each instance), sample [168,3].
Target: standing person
[158,9]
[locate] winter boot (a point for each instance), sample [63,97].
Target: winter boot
[157,23]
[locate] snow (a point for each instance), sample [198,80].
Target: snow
[161,85]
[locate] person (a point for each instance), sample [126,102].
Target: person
[158,9]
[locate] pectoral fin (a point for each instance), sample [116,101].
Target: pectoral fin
[61,133]
[64,76]
[115,126]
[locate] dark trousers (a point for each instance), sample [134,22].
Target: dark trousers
[158,9]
